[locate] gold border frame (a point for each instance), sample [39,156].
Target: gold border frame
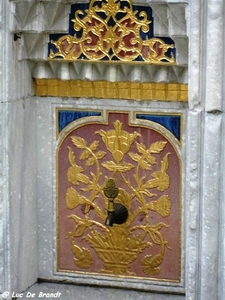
[132,124]
[175,92]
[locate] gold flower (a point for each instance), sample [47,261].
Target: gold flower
[162,206]
[163,180]
[118,141]
[160,181]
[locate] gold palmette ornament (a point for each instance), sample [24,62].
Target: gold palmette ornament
[117,141]
[111,32]
[120,243]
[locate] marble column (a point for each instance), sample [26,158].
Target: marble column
[18,215]
[205,166]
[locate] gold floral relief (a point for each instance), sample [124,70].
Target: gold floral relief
[143,181]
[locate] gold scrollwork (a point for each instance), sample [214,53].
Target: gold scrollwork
[120,245]
[111,32]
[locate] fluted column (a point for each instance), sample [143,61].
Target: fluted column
[4,163]
[204,151]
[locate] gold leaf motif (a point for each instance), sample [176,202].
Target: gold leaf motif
[111,166]
[100,154]
[74,173]
[94,145]
[90,161]
[145,165]
[83,178]
[79,220]
[79,231]
[158,226]
[151,159]
[150,184]
[71,157]
[147,193]
[155,236]
[165,163]
[73,199]
[85,154]
[79,142]
[141,148]
[135,156]
[157,147]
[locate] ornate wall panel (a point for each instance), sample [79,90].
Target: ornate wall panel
[110,50]
[141,152]
[111,31]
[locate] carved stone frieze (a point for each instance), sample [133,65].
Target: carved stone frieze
[34,21]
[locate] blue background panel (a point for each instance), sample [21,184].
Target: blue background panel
[170,122]
[65,117]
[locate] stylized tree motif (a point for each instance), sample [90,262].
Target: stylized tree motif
[118,246]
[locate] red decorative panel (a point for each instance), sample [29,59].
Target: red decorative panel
[147,169]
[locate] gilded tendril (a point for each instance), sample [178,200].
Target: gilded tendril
[111,30]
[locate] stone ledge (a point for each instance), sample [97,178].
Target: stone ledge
[69,291]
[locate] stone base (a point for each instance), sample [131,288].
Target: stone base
[70,291]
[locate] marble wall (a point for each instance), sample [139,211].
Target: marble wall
[18,221]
